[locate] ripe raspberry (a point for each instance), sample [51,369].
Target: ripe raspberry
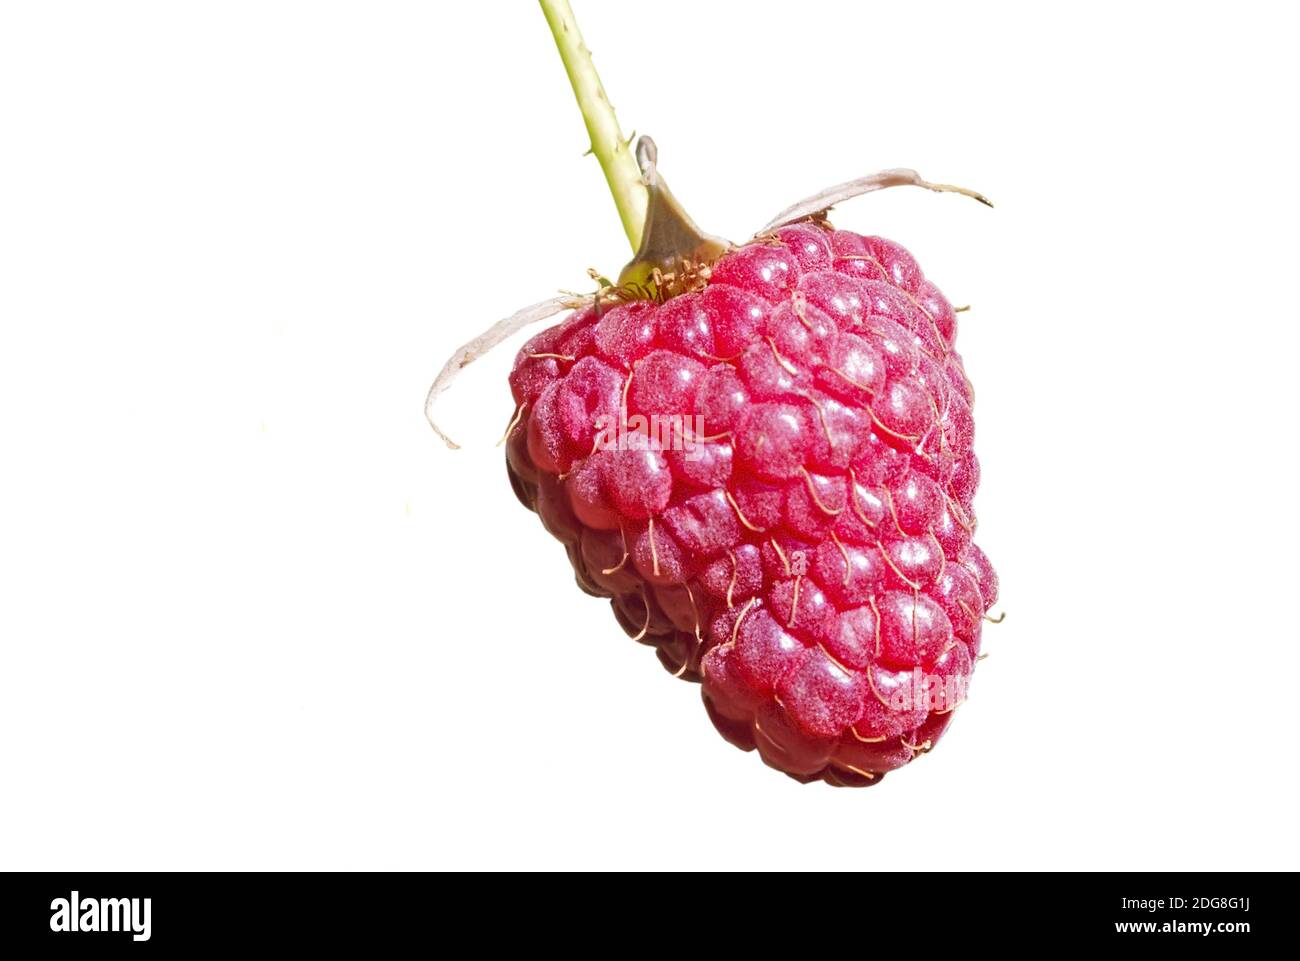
[772,479]
[762,455]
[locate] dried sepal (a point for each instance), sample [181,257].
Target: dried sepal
[484,342]
[823,200]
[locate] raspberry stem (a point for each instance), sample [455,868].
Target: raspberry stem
[607,141]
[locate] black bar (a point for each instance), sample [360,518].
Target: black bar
[212,910]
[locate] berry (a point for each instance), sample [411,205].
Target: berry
[762,455]
[771,476]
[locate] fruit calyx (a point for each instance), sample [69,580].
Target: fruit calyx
[675,255]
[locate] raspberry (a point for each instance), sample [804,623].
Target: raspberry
[771,477]
[762,455]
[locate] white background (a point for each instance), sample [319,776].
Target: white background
[254,615]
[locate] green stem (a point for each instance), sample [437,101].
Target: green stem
[607,143]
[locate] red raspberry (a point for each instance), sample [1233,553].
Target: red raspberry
[772,479]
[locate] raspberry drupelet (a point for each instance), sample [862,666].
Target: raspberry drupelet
[771,476]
